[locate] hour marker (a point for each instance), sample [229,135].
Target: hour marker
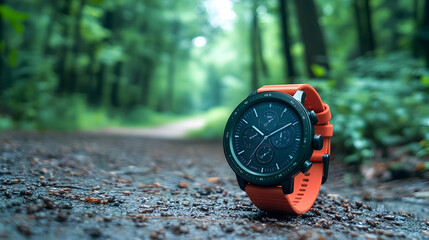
[241,152]
[262,169]
[236,136]
[277,166]
[281,115]
[249,162]
[290,156]
[245,121]
[255,112]
[259,131]
[297,139]
[271,104]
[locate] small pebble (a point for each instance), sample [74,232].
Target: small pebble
[389,217]
[93,232]
[24,230]
[183,184]
[257,228]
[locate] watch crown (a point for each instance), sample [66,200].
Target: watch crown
[306,166]
[313,118]
[317,142]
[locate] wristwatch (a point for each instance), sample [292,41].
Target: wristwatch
[277,141]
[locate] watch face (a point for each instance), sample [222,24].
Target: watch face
[267,138]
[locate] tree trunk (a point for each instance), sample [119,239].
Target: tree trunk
[259,49]
[311,35]
[62,64]
[415,42]
[392,23]
[98,93]
[254,83]
[363,18]
[2,41]
[285,38]
[368,25]
[170,81]
[145,76]
[90,85]
[171,72]
[114,96]
[47,50]
[213,94]
[424,32]
[77,43]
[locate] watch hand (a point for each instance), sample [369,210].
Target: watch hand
[265,138]
[265,124]
[252,137]
[259,131]
[276,131]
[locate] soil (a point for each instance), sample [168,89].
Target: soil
[110,186]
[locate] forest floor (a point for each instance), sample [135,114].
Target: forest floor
[126,186]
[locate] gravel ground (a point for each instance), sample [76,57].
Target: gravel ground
[87,185]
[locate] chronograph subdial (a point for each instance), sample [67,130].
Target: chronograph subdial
[283,138]
[269,121]
[251,138]
[264,154]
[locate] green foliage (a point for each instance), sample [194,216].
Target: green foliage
[15,18]
[215,124]
[318,70]
[372,113]
[142,116]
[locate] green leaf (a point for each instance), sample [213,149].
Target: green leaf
[15,18]
[425,80]
[297,49]
[17,26]
[110,55]
[95,2]
[11,15]
[13,58]
[318,70]
[426,166]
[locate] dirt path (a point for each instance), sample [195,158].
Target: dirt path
[175,130]
[109,186]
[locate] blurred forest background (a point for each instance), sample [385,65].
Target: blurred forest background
[88,64]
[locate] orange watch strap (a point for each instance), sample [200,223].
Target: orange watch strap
[312,99]
[306,186]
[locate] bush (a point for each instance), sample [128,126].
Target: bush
[372,114]
[215,120]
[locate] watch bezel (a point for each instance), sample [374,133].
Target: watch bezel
[304,153]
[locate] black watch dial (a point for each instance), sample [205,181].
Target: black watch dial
[269,121]
[267,137]
[283,138]
[264,154]
[251,138]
